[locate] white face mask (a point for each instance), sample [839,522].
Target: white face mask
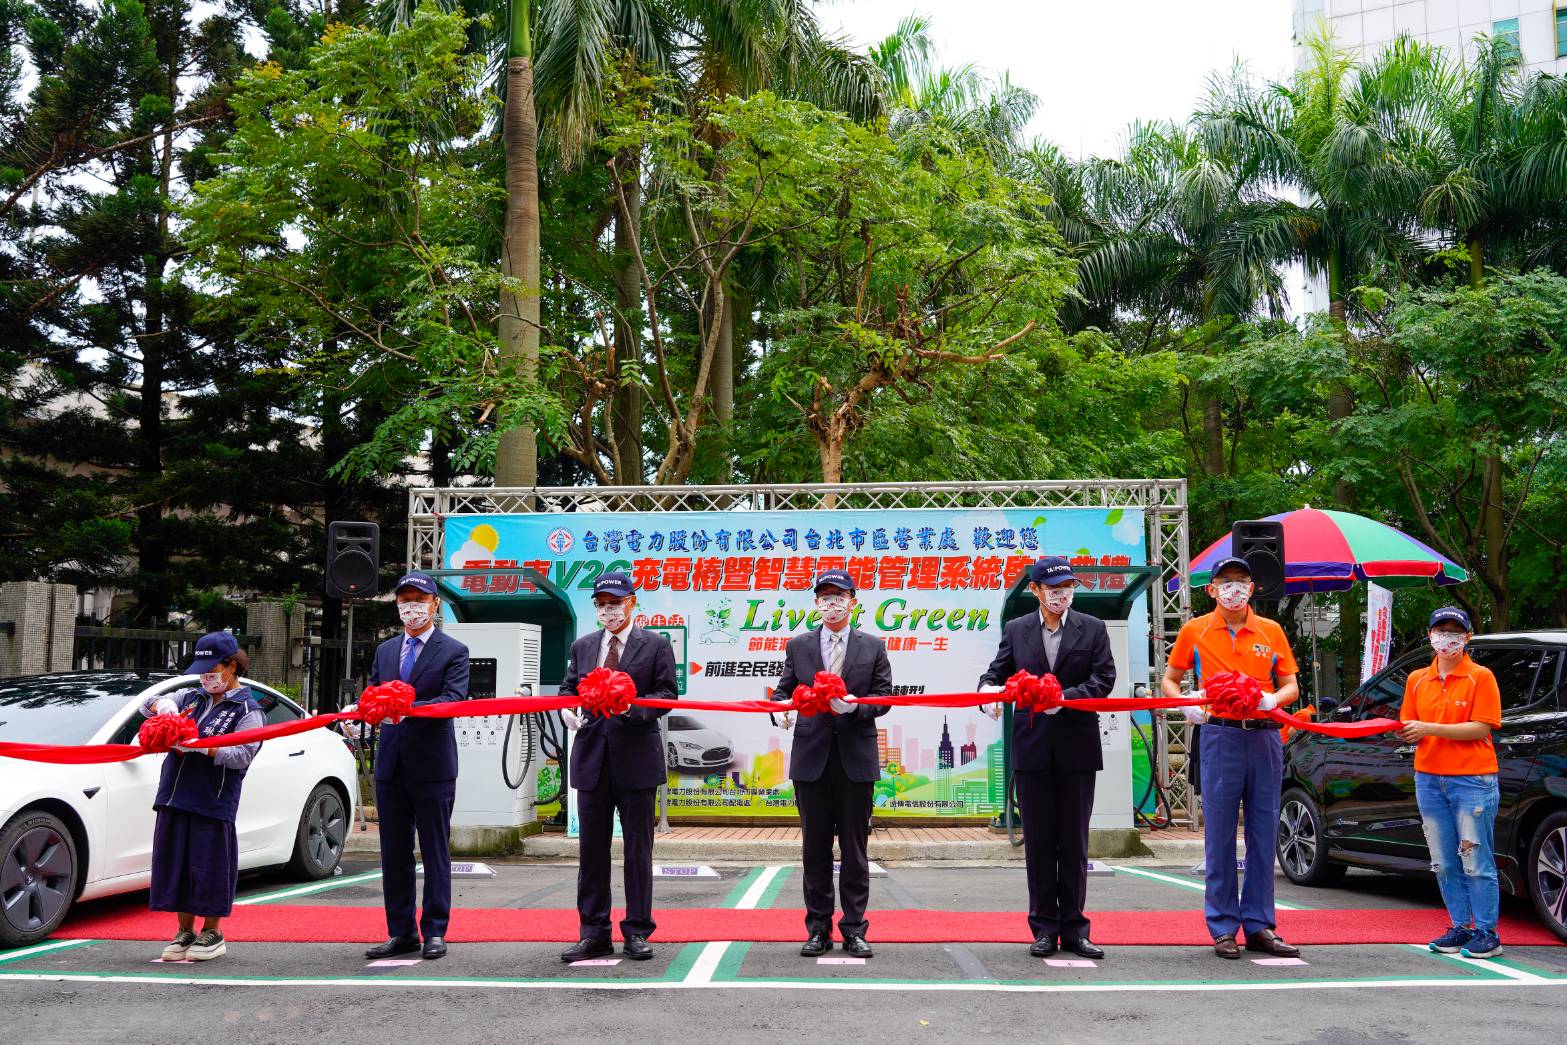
[1233,594]
[833,608]
[414,614]
[1447,643]
[612,617]
[1058,599]
[213,683]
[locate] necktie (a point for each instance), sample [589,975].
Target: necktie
[410,654]
[835,656]
[612,658]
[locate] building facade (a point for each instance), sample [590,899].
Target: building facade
[1537,28]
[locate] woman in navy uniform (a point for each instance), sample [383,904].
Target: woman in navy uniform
[195,851]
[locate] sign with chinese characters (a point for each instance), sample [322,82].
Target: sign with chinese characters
[736,586]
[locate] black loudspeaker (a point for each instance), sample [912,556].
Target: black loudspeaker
[353,559]
[1261,544]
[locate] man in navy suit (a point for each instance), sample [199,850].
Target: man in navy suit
[617,763]
[416,772]
[834,765]
[1055,753]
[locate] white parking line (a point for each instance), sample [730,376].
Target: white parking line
[1485,965]
[52,945]
[754,894]
[1171,880]
[706,964]
[305,890]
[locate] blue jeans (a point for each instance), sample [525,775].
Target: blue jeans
[1241,769]
[1455,811]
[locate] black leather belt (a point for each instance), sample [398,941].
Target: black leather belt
[1245,723]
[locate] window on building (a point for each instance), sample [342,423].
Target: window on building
[1561,31]
[1506,29]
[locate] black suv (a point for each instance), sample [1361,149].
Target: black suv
[1353,801]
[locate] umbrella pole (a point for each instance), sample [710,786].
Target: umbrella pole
[1316,680]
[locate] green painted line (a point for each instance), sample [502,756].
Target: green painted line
[42,948]
[1485,967]
[306,890]
[770,896]
[729,966]
[1535,970]
[683,960]
[743,886]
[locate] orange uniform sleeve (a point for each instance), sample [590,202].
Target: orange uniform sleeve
[1408,711]
[1488,699]
[1183,653]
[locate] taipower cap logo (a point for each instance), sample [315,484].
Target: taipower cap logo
[559,540]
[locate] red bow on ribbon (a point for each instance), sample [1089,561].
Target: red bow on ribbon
[816,698]
[1233,695]
[161,732]
[388,702]
[607,692]
[1033,692]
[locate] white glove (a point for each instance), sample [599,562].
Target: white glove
[348,709]
[993,710]
[1268,702]
[784,720]
[1051,711]
[166,706]
[571,718]
[991,687]
[841,707]
[1195,715]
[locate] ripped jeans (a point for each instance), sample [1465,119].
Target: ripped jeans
[1459,817]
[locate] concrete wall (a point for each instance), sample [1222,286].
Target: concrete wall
[42,636]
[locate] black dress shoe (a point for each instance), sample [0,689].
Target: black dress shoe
[586,949]
[636,949]
[1084,948]
[1043,947]
[856,947]
[818,944]
[393,947]
[434,947]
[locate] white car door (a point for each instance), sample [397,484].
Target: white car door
[130,788]
[276,784]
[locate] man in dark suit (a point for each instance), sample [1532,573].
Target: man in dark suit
[1056,754]
[833,763]
[416,772]
[617,763]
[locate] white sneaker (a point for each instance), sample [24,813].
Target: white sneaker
[208,945]
[179,946]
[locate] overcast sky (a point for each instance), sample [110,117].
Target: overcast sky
[1096,65]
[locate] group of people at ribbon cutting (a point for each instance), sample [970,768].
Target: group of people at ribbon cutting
[617,764]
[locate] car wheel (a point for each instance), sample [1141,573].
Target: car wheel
[323,830]
[672,758]
[1548,872]
[1302,850]
[38,872]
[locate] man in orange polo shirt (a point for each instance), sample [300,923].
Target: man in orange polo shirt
[1242,759]
[1449,711]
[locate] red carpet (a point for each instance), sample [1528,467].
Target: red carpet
[281,923]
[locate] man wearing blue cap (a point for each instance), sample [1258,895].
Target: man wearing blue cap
[1056,753]
[617,764]
[416,772]
[833,763]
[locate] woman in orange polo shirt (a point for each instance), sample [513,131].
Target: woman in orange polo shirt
[1449,711]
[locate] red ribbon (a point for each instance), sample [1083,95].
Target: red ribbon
[388,702]
[607,692]
[161,732]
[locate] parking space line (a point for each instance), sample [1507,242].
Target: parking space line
[52,945]
[1192,886]
[305,890]
[1486,965]
[752,898]
[706,964]
[770,897]
[742,886]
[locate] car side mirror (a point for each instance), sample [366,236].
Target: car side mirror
[1328,706]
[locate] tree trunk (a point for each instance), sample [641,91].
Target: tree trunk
[1476,263]
[724,386]
[517,453]
[329,665]
[627,407]
[1492,525]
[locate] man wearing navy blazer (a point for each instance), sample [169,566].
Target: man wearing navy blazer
[833,764]
[1056,753]
[416,772]
[617,763]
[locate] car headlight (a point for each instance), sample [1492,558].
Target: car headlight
[689,745]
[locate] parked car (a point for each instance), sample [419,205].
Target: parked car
[70,833]
[694,747]
[1352,802]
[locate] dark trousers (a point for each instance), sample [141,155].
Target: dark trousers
[835,807]
[1056,807]
[426,806]
[596,826]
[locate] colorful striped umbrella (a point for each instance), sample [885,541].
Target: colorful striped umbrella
[1330,551]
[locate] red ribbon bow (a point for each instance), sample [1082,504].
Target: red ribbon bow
[1233,695]
[816,698]
[1033,692]
[161,732]
[387,702]
[607,692]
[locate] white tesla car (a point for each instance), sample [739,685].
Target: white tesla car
[693,747]
[71,833]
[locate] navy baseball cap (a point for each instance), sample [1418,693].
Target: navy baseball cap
[1051,569]
[614,583]
[1450,613]
[1230,562]
[212,649]
[417,581]
[834,579]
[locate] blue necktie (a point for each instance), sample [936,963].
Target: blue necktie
[410,653]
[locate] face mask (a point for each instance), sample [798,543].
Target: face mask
[1233,594]
[1446,643]
[213,683]
[1057,600]
[612,617]
[833,608]
[414,614]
